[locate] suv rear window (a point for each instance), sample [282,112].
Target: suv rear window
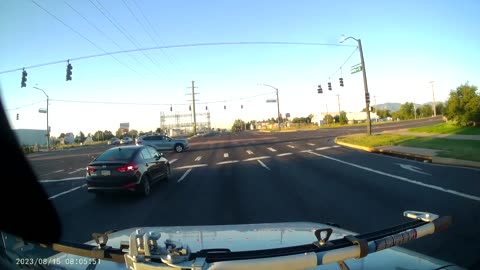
[117,154]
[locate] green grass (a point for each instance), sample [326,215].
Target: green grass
[459,149]
[376,140]
[448,128]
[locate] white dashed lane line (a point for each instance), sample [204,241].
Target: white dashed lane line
[311,144]
[77,170]
[65,192]
[291,146]
[62,180]
[228,162]
[257,158]
[271,149]
[191,166]
[284,154]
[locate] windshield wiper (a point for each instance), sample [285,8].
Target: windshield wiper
[143,251]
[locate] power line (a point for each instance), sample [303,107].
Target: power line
[21,107]
[123,31]
[340,68]
[170,58]
[179,46]
[105,35]
[154,104]
[78,33]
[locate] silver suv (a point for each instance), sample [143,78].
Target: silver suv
[163,142]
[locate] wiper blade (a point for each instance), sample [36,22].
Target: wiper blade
[105,253]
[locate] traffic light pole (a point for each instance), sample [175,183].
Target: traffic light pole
[48,127]
[365,85]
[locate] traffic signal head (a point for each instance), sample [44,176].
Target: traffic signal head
[319,90]
[206,108]
[367,97]
[224,107]
[170,108]
[24,78]
[341,82]
[241,106]
[69,72]
[330,86]
[17,116]
[189,107]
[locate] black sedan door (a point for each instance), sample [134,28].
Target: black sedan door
[151,163]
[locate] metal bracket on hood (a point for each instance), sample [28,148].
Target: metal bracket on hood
[322,240]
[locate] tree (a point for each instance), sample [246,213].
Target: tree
[119,133]
[238,125]
[328,119]
[425,111]
[80,137]
[62,135]
[159,131]
[336,119]
[383,113]
[107,135]
[440,108]
[98,136]
[406,111]
[463,105]
[133,133]
[343,118]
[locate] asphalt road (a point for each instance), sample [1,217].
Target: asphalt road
[254,177]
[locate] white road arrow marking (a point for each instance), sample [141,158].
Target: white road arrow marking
[249,152]
[412,168]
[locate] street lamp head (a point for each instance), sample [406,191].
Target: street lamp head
[342,39]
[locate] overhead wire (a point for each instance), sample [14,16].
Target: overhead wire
[340,68]
[24,106]
[106,36]
[177,46]
[80,34]
[124,32]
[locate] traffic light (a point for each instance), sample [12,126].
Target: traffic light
[319,90]
[206,108]
[330,86]
[224,107]
[241,106]
[17,116]
[24,78]
[69,72]
[341,82]
[170,107]
[189,107]
[367,97]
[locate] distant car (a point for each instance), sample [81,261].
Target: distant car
[163,142]
[127,168]
[113,141]
[126,140]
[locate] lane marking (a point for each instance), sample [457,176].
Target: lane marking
[291,146]
[336,146]
[256,158]
[249,152]
[57,171]
[283,154]
[468,196]
[65,192]
[191,166]
[225,155]
[77,170]
[228,162]
[271,149]
[263,165]
[311,144]
[184,175]
[412,168]
[305,151]
[62,180]
[198,158]
[173,160]
[323,148]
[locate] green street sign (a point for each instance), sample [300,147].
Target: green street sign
[355,69]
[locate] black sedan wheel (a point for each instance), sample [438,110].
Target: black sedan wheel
[145,186]
[167,173]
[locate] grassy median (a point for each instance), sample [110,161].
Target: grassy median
[447,128]
[450,148]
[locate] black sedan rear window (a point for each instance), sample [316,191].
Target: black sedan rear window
[117,154]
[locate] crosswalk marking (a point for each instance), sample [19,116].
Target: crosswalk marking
[249,152]
[225,155]
[198,158]
[257,158]
[291,146]
[228,162]
[284,154]
[323,148]
[311,144]
[271,149]
[336,146]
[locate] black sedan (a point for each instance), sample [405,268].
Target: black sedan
[127,168]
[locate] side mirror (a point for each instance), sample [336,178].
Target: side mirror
[161,154]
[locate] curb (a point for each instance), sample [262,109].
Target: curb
[430,159]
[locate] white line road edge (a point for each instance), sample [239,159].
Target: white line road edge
[464,195]
[62,180]
[184,175]
[65,192]
[256,158]
[228,162]
[263,165]
[191,166]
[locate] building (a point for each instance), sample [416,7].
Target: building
[31,137]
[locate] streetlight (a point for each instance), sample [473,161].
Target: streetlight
[48,128]
[278,103]
[434,104]
[367,100]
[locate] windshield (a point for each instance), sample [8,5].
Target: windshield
[253,112]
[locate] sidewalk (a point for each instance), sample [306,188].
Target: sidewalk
[416,153]
[434,135]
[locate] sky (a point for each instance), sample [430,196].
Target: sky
[406,45]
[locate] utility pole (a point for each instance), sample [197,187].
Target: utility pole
[193,108]
[434,104]
[375,100]
[414,109]
[326,116]
[338,101]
